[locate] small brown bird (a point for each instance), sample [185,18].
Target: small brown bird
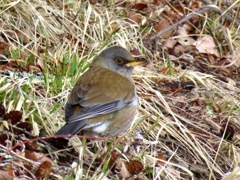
[103,102]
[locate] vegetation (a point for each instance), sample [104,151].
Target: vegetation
[188,124]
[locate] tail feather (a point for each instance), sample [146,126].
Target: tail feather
[71,128]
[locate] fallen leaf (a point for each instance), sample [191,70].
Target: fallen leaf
[40,63]
[134,166]
[140,6]
[128,169]
[4,48]
[3,138]
[161,25]
[13,116]
[44,170]
[136,53]
[25,126]
[2,110]
[236,55]
[160,159]
[39,157]
[183,38]
[169,43]
[206,45]
[5,176]
[135,17]
[24,35]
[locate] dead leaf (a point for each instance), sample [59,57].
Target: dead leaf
[180,49]
[4,48]
[3,138]
[40,63]
[24,35]
[236,55]
[25,126]
[136,53]
[206,45]
[140,6]
[128,169]
[159,2]
[44,170]
[135,17]
[37,156]
[123,173]
[2,110]
[12,65]
[184,38]
[34,69]
[134,166]
[169,43]
[161,25]
[164,70]
[160,159]
[13,116]
[4,175]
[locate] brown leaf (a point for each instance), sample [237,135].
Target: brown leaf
[128,169]
[93,2]
[34,68]
[12,65]
[160,159]
[135,17]
[163,24]
[23,35]
[36,156]
[134,166]
[158,2]
[164,70]
[180,49]
[184,39]
[179,8]
[40,63]
[136,52]
[4,175]
[4,48]
[114,155]
[236,55]
[26,126]
[140,6]
[10,171]
[3,138]
[123,172]
[44,170]
[206,45]
[13,116]
[2,110]
[169,43]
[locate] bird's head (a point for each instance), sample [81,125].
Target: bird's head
[118,59]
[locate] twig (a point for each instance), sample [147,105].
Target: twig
[201,11]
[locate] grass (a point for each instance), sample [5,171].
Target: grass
[177,134]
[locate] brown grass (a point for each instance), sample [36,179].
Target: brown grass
[183,127]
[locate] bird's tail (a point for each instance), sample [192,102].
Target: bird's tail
[71,128]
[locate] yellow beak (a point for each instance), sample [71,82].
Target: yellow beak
[138,61]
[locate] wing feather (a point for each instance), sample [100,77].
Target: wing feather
[94,96]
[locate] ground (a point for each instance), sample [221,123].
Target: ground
[188,123]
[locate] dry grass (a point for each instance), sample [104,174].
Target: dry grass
[177,134]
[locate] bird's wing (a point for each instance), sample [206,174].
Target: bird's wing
[98,92]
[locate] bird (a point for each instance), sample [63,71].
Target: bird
[103,101]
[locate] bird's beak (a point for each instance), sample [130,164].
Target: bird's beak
[138,61]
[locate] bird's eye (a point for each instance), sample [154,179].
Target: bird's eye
[119,61]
